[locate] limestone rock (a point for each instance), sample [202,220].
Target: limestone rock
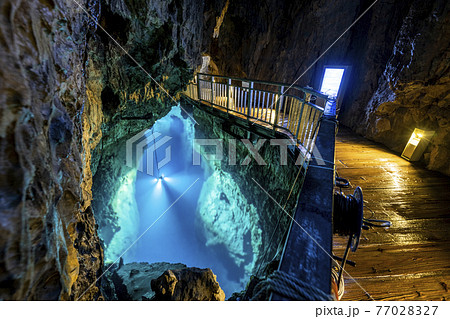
[130,101]
[189,284]
[418,76]
[247,210]
[132,281]
[226,218]
[49,248]
[67,91]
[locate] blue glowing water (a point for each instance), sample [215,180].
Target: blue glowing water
[170,229]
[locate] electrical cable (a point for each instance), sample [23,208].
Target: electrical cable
[349,220]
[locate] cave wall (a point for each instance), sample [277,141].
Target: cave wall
[259,213]
[66,91]
[398,53]
[276,41]
[414,89]
[49,248]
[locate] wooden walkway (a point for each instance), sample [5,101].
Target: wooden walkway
[411,260]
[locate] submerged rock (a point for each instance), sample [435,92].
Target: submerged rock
[188,284]
[132,281]
[226,218]
[123,204]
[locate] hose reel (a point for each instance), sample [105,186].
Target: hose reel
[348,216]
[348,220]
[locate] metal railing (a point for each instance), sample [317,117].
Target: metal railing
[273,105]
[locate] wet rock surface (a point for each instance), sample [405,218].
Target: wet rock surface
[189,284]
[227,220]
[414,89]
[251,216]
[49,248]
[159,281]
[66,92]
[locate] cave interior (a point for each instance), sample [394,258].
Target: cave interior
[141,156]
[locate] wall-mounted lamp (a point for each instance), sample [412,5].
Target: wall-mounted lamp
[417,144]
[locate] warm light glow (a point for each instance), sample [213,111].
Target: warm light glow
[394,171]
[417,144]
[415,137]
[414,140]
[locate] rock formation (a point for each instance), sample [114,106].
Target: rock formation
[65,86]
[234,211]
[189,284]
[132,281]
[131,101]
[49,248]
[226,218]
[414,89]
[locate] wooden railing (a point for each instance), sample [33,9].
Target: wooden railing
[273,105]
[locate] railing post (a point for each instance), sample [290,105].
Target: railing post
[250,91]
[249,98]
[279,104]
[199,91]
[248,102]
[228,94]
[330,108]
[300,119]
[212,91]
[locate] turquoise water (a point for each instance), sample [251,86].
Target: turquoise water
[175,232]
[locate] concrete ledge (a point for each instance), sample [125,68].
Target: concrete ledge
[302,257]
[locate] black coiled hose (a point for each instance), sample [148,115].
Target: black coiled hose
[346,217]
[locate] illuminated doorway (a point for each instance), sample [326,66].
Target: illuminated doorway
[333,82]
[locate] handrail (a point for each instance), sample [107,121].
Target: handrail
[295,86]
[272,105]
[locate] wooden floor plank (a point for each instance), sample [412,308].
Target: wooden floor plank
[411,260]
